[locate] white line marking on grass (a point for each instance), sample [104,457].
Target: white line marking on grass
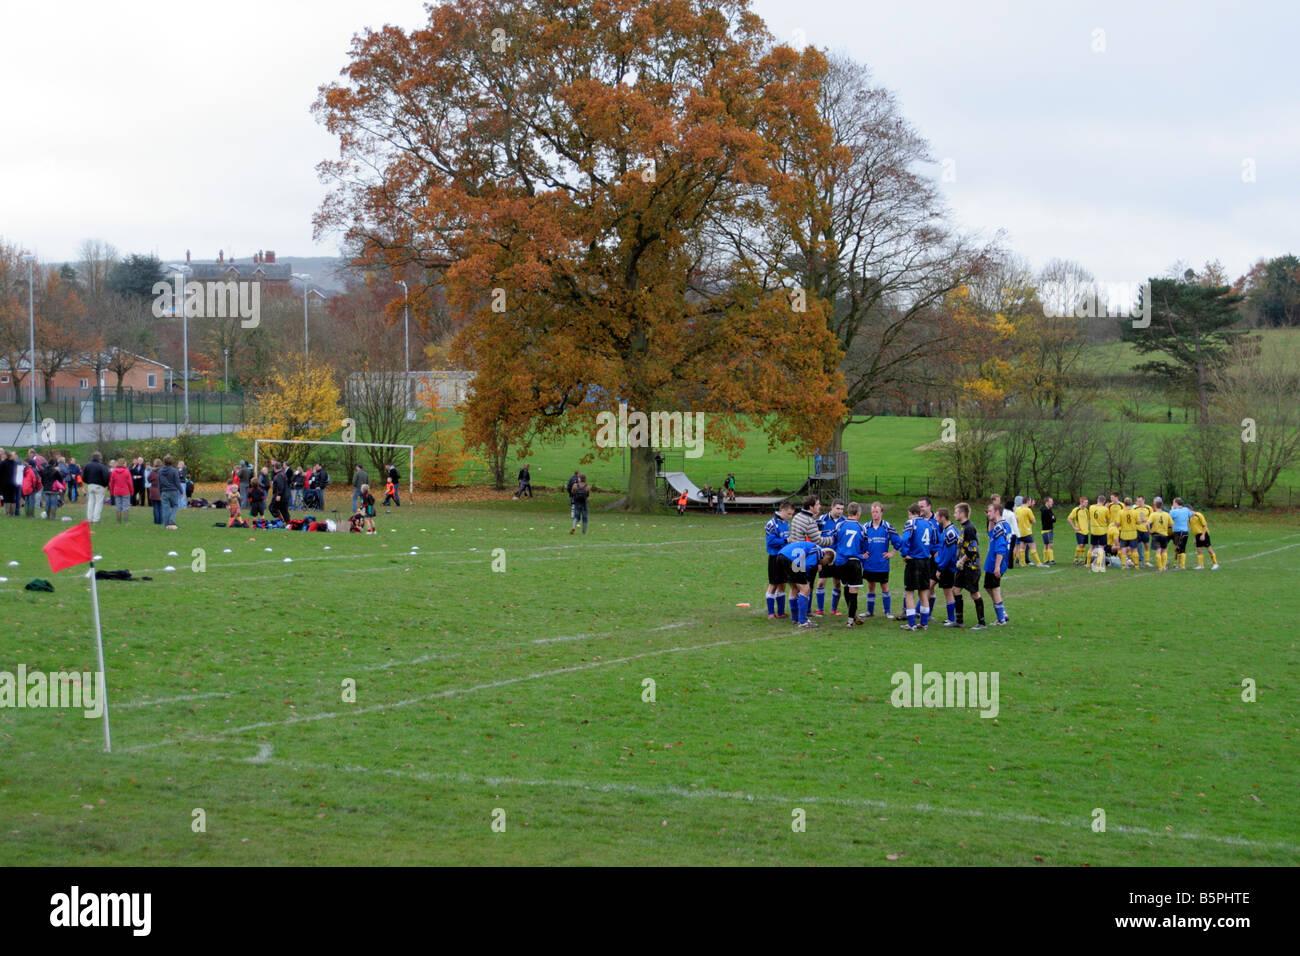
[458,554]
[565,637]
[456,691]
[169,700]
[743,797]
[1261,554]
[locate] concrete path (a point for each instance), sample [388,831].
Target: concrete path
[13,434]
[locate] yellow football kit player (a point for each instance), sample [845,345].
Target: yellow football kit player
[1162,526]
[1200,530]
[1128,533]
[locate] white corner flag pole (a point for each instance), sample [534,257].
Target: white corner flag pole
[99,646]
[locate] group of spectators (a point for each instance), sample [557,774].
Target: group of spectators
[37,481]
[50,483]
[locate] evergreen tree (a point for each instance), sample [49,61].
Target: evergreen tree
[1191,323]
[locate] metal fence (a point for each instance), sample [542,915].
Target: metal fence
[87,414]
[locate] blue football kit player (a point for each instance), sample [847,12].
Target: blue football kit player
[776,532]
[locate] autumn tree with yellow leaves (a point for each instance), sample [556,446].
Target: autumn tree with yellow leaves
[299,402]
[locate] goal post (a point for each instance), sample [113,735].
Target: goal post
[410,451]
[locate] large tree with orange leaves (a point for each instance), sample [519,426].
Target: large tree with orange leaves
[565,165]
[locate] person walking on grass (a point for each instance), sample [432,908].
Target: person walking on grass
[579,495]
[568,490]
[525,483]
[396,478]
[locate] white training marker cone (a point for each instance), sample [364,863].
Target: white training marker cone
[327,547]
[226,551]
[268,549]
[172,554]
[288,560]
[13,564]
[169,568]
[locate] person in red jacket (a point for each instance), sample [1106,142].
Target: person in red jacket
[121,485]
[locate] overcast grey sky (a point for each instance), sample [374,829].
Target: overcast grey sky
[161,127]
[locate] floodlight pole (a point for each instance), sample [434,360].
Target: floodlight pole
[406,308]
[306,334]
[185,350]
[31,326]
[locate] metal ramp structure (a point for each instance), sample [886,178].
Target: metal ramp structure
[675,482]
[830,476]
[829,480]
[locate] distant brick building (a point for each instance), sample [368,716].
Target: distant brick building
[146,375]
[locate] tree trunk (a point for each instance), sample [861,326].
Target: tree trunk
[641,491]
[837,436]
[1202,395]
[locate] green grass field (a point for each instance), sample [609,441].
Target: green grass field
[521,691]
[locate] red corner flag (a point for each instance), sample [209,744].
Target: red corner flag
[70,548]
